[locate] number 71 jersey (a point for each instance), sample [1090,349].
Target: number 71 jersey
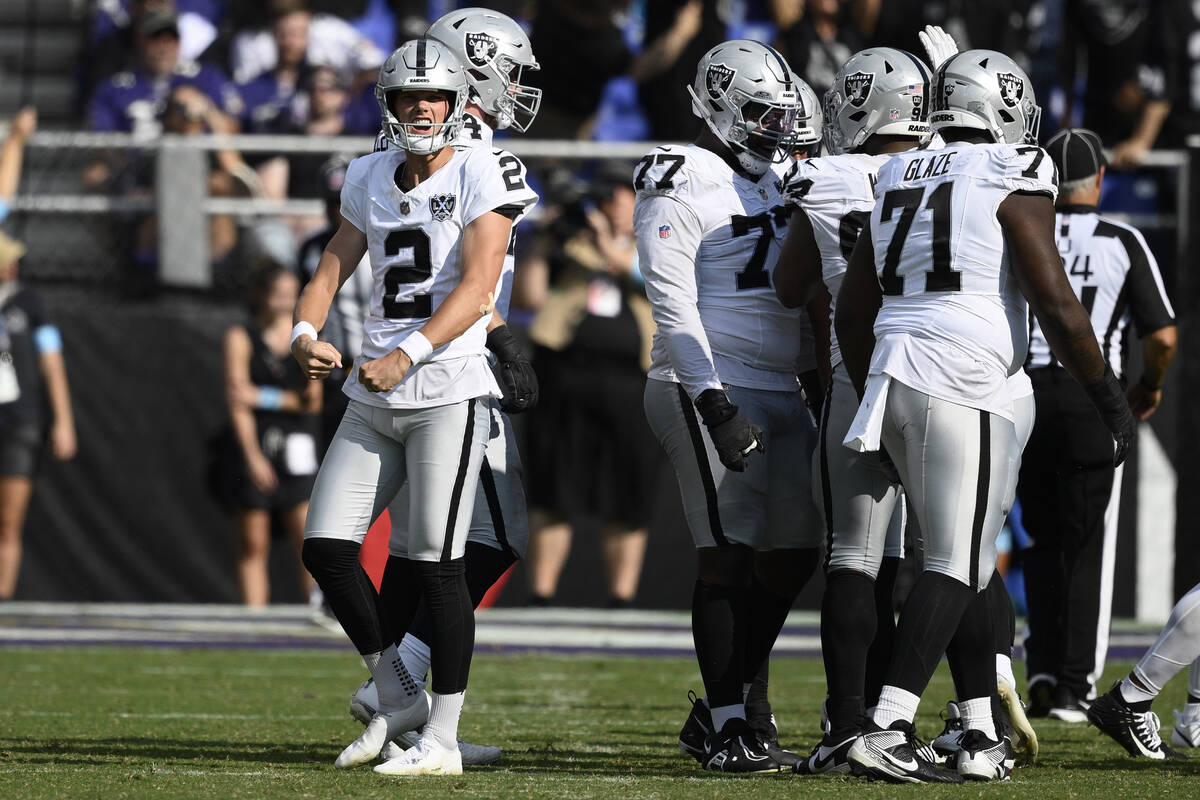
[953,319]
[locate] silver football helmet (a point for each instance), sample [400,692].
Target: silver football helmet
[422,65]
[879,90]
[746,94]
[809,121]
[987,91]
[496,53]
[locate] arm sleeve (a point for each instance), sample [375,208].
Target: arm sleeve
[499,183]
[1148,301]
[668,239]
[354,194]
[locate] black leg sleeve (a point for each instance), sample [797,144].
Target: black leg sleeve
[879,655]
[719,633]
[452,638]
[348,590]
[927,624]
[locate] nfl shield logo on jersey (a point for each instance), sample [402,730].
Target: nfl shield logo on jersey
[441,206]
[1012,88]
[718,79]
[664,231]
[858,87]
[481,49]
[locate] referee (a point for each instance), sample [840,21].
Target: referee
[1068,488]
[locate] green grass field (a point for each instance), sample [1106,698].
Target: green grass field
[177,723]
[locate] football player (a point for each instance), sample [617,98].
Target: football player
[497,52]
[926,311]
[722,394]
[878,106]
[436,223]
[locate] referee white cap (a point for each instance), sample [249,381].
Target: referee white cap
[1077,152]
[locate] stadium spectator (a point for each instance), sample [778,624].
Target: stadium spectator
[819,43]
[32,380]
[12,156]
[273,408]
[270,99]
[591,453]
[688,29]
[133,100]
[1170,81]
[330,40]
[115,22]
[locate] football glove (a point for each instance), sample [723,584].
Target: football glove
[734,436]
[518,381]
[1109,399]
[938,44]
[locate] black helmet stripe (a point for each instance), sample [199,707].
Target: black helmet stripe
[421,44]
[926,79]
[787,74]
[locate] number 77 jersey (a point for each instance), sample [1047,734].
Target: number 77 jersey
[708,239]
[953,320]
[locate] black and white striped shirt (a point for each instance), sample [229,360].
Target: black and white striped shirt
[1115,277]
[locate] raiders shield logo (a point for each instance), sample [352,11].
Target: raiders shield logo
[481,49]
[441,206]
[1012,88]
[718,79]
[858,87]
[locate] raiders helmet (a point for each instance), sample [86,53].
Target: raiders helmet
[496,53]
[809,121]
[747,95]
[422,65]
[987,91]
[879,90]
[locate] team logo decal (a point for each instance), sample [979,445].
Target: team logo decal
[441,206]
[858,87]
[481,49]
[1012,88]
[718,79]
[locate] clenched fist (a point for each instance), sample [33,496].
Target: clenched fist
[382,374]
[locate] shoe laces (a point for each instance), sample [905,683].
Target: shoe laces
[1146,727]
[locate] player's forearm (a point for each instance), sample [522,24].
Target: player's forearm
[469,302]
[1158,350]
[54,373]
[495,322]
[1150,123]
[797,273]
[1071,338]
[337,264]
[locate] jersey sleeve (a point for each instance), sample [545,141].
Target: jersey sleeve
[354,193]
[668,240]
[1029,170]
[1149,306]
[498,185]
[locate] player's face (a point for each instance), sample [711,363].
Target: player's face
[418,107]
[774,121]
[285,291]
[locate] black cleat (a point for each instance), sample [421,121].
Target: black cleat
[981,759]
[1136,731]
[768,737]
[696,730]
[1041,697]
[829,757]
[736,749]
[1068,707]
[946,745]
[890,754]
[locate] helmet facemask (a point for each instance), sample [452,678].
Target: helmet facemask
[514,103]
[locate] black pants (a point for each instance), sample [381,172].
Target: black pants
[1065,484]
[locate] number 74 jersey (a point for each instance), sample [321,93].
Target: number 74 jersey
[708,239]
[414,241]
[953,320]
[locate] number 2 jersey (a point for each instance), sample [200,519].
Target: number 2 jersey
[708,239]
[953,320]
[414,241]
[837,194]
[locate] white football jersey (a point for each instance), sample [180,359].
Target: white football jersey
[837,193]
[708,239]
[950,324]
[1116,279]
[414,243]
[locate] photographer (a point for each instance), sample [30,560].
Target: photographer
[591,454]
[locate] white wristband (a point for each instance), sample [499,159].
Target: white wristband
[417,347]
[302,328]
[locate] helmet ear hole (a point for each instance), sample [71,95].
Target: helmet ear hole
[1007,117]
[858,116]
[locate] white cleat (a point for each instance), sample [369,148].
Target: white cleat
[383,728]
[1187,728]
[473,755]
[392,750]
[427,758]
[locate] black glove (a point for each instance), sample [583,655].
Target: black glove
[518,381]
[1108,397]
[734,436]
